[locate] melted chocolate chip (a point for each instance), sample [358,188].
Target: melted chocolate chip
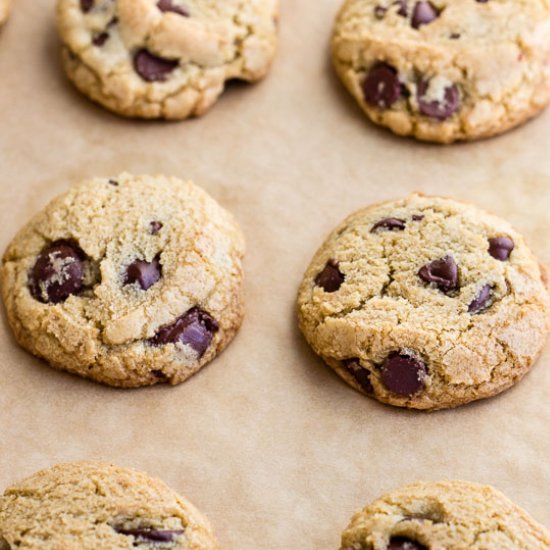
[113,183]
[482,300]
[159,374]
[152,535]
[423,13]
[418,217]
[402,7]
[100,39]
[380,12]
[361,375]
[196,328]
[152,68]
[382,88]
[454,36]
[443,273]
[155,227]
[390,224]
[57,273]
[404,543]
[438,109]
[86,5]
[500,248]
[145,273]
[331,278]
[403,374]
[168,5]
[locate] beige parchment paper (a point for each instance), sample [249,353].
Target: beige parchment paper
[267,441]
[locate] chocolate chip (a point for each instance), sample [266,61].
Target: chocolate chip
[380,12]
[86,5]
[196,328]
[454,36]
[100,39]
[402,7]
[404,543]
[153,535]
[418,217]
[403,374]
[482,1]
[423,13]
[145,273]
[113,183]
[482,300]
[155,227]
[391,224]
[57,273]
[440,109]
[382,88]
[158,374]
[168,5]
[500,248]
[361,375]
[331,278]
[443,273]
[152,68]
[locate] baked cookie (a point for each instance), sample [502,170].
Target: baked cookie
[164,58]
[130,281]
[89,506]
[425,303]
[445,70]
[5,6]
[446,515]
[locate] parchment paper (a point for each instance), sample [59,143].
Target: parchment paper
[266,441]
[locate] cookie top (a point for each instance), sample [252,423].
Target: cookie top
[129,281]
[445,70]
[442,515]
[5,6]
[91,505]
[164,58]
[425,303]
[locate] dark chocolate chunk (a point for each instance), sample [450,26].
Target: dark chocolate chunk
[196,328]
[423,13]
[152,68]
[482,300]
[390,224]
[404,543]
[155,227]
[145,273]
[168,5]
[152,535]
[86,5]
[57,273]
[402,7]
[443,273]
[331,278]
[100,39]
[439,109]
[361,375]
[403,374]
[500,248]
[382,88]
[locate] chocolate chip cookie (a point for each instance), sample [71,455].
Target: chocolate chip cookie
[130,281]
[5,6]
[89,506]
[425,303]
[445,70]
[164,58]
[446,515]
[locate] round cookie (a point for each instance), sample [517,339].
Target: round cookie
[445,70]
[446,515]
[164,58]
[129,281]
[5,6]
[425,303]
[89,505]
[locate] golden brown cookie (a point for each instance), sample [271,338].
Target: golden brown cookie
[164,58]
[446,515]
[425,303]
[92,506]
[445,70]
[130,281]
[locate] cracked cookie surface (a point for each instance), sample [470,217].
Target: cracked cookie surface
[90,505]
[446,515]
[130,281]
[164,58]
[425,303]
[445,70]
[5,6]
